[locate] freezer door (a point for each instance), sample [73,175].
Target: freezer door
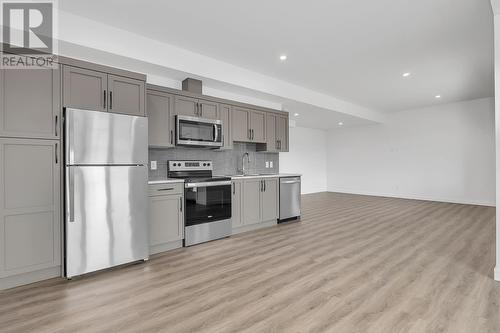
[100,138]
[106,217]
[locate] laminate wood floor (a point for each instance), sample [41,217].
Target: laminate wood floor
[353,264]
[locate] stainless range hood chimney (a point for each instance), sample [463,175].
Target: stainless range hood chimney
[192,85]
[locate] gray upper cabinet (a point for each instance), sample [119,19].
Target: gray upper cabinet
[251,201]
[248,125]
[237,203]
[282,133]
[239,124]
[85,89]
[276,133]
[225,117]
[160,118]
[194,107]
[30,103]
[209,110]
[126,95]
[94,90]
[269,199]
[258,126]
[186,106]
[29,205]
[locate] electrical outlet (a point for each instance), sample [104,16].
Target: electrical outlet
[267,164]
[271,164]
[153,165]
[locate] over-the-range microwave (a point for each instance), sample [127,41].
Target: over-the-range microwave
[198,132]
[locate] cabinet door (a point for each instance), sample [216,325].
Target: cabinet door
[251,201]
[225,117]
[84,89]
[282,133]
[166,219]
[271,138]
[258,126]
[126,95]
[160,119]
[239,121]
[29,205]
[186,106]
[237,204]
[209,110]
[269,199]
[30,103]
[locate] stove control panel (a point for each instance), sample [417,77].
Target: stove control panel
[190,165]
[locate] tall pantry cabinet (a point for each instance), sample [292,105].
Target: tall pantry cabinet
[30,175]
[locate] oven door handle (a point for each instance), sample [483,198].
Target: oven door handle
[208,184]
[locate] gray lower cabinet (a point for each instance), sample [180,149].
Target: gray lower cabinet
[30,103]
[94,90]
[160,113]
[126,95]
[270,199]
[237,204]
[225,117]
[166,217]
[30,210]
[260,200]
[251,201]
[85,89]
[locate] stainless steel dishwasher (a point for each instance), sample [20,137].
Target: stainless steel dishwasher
[289,198]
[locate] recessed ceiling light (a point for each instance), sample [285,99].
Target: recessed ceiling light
[296,114]
[438,96]
[341,123]
[283,57]
[406,74]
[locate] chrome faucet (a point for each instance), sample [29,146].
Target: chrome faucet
[243,162]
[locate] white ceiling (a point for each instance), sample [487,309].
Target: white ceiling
[353,50]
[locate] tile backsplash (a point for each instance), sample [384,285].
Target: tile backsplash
[227,162]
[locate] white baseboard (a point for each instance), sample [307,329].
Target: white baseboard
[31,277]
[415,197]
[497,273]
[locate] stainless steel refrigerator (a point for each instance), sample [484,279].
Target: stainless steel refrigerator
[106,190]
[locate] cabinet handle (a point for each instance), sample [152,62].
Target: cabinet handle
[104,100]
[265,185]
[171,137]
[251,131]
[197,111]
[276,144]
[55,125]
[56,154]
[165,189]
[234,192]
[180,200]
[262,186]
[110,100]
[201,110]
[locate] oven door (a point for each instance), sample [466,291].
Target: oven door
[207,202]
[192,131]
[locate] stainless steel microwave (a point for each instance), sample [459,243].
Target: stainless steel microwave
[199,132]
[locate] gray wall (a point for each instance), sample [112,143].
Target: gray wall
[226,162]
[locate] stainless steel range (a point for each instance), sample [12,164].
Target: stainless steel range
[207,201]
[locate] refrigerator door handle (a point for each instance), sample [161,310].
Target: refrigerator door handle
[71,195]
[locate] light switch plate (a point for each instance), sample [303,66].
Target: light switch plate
[153,165]
[267,164]
[271,163]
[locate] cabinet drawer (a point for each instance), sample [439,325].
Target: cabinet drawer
[166,189]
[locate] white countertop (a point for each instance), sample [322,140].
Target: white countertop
[166,181]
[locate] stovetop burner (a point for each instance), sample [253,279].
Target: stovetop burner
[193,171]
